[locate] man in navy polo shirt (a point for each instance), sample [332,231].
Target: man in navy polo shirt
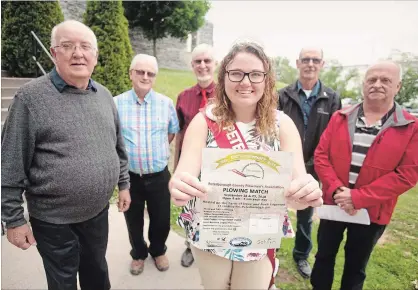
[310,104]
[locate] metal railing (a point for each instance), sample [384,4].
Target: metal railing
[35,51]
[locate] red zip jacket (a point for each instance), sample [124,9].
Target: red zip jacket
[389,169]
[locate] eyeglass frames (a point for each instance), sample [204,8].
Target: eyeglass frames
[199,61]
[140,72]
[237,76]
[306,60]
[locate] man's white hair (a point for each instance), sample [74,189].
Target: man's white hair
[146,58]
[203,48]
[387,61]
[71,23]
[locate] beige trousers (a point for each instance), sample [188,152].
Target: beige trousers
[223,274]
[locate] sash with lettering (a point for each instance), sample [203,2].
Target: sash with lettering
[223,142]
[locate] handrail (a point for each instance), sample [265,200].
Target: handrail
[39,65]
[40,43]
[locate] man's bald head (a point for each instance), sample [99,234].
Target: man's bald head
[309,64]
[309,49]
[382,82]
[73,25]
[387,65]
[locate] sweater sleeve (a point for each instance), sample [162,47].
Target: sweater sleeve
[120,148]
[17,150]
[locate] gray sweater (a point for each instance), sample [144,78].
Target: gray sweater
[64,149]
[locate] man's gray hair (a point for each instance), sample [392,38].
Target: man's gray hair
[71,23]
[144,57]
[203,48]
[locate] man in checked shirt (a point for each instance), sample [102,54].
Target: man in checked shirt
[149,123]
[190,101]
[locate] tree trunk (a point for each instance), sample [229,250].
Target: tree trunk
[154,47]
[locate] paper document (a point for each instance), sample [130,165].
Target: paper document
[335,213]
[246,204]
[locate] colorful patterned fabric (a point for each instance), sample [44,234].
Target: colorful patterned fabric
[189,220]
[145,129]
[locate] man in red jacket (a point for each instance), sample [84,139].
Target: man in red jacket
[366,158]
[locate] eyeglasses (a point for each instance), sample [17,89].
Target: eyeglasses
[140,72]
[307,60]
[199,61]
[68,47]
[237,76]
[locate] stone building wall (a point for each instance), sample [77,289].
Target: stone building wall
[171,52]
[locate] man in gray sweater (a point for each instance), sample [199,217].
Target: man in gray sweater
[62,146]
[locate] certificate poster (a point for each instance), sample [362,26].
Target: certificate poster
[245,206]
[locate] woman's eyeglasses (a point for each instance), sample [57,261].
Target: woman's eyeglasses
[237,76]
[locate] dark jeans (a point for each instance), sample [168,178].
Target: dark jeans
[152,189]
[303,240]
[70,248]
[359,245]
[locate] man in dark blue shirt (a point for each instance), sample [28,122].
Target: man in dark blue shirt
[310,105]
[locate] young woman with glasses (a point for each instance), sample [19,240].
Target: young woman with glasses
[245,96]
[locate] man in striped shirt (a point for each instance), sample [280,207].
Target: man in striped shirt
[149,123]
[190,101]
[365,159]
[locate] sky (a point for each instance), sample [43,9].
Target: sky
[352,32]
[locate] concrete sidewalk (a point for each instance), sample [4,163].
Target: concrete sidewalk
[24,270]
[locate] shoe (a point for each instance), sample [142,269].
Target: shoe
[187,258]
[137,267]
[304,268]
[161,262]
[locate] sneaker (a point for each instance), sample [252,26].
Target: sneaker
[161,262]
[304,268]
[137,267]
[187,258]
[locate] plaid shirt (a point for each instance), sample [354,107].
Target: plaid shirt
[188,103]
[145,129]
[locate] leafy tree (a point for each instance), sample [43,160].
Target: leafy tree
[19,18]
[109,24]
[408,94]
[159,19]
[285,72]
[333,76]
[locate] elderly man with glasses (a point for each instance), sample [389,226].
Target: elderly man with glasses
[310,104]
[149,123]
[62,146]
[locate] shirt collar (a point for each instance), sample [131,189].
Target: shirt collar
[209,89]
[360,114]
[60,84]
[147,98]
[315,89]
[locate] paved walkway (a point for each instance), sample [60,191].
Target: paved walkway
[23,269]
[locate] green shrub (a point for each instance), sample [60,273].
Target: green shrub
[108,22]
[19,18]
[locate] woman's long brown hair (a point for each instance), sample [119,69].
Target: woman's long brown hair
[266,106]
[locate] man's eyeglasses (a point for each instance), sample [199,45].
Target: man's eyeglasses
[140,72]
[237,76]
[70,47]
[199,61]
[307,60]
